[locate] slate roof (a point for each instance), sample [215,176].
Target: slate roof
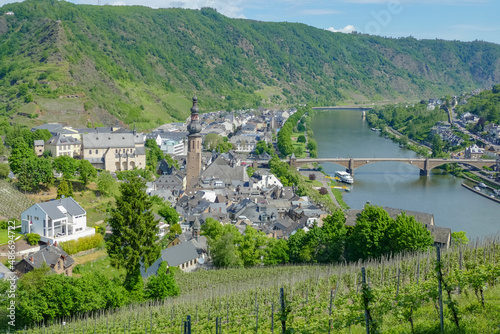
[52,127]
[220,169]
[52,210]
[168,181]
[39,142]
[176,255]
[49,255]
[5,272]
[105,140]
[60,139]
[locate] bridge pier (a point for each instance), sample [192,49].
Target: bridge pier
[350,169]
[424,172]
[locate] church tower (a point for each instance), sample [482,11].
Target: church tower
[193,167]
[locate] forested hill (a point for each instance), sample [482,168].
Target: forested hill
[141,65]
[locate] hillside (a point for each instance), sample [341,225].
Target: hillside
[141,65]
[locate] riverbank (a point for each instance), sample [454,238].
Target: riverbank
[481,193]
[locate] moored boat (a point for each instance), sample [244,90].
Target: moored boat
[344,177]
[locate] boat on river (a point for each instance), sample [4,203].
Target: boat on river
[482,185]
[344,177]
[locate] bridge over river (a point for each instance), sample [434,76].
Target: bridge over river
[424,164]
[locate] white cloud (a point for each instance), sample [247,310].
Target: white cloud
[346,30]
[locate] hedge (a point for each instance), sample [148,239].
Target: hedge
[82,244]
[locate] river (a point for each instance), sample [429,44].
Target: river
[343,133]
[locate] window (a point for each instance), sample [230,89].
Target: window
[59,264]
[96,151]
[90,151]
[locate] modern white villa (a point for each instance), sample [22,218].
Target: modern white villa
[57,220]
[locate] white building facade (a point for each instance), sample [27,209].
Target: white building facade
[58,220]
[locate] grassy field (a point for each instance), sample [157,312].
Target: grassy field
[4,236]
[97,263]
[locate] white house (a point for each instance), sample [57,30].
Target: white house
[267,180]
[57,220]
[173,147]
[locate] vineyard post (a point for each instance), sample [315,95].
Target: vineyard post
[257,318]
[216,325]
[307,295]
[331,296]
[188,324]
[272,317]
[397,289]
[283,320]
[227,316]
[460,266]
[367,320]
[418,269]
[438,266]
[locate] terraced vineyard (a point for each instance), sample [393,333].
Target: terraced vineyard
[12,201]
[400,296]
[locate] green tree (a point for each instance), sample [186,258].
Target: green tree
[19,154]
[334,237]
[408,234]
[312,145]
[251,246]
[153,154]
[87,171]
[27,176]
[66,165]
[369,237]
[4,171]
[459,238]
[212,229]
[105,183]
[276,252]
[301,139]
[295,245]
[224,252]
[169,213]
[133,241]
[437,146]
[32,238]
[250,171]
[212,141]
[162,285]
[63,189]
[45,171]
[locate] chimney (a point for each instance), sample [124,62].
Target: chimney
[55,243]
[300,205]
[31,258]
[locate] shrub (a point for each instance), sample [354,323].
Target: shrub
[323,191]
[32,238]
[83,244]
[312,176]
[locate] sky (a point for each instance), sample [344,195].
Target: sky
[464,20]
